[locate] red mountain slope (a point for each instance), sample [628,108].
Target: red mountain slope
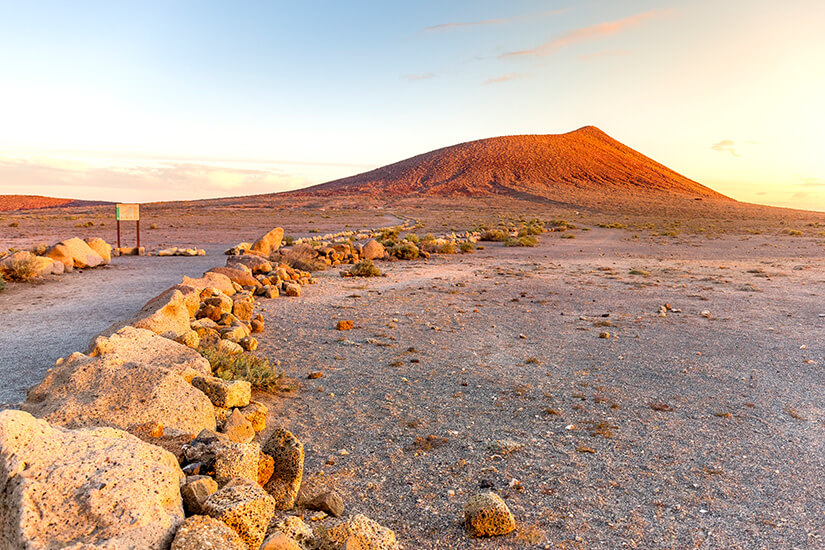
[559,167]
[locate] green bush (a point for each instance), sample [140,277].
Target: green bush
[412,238]
[526,240]
[467,247]
[256,370]
[495,235]
[365,268]
[288,240]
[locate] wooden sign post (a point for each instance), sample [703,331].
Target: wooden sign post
[128,212]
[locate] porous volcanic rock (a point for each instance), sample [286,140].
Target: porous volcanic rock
[80,488]
[239,276]
[105,391]
[373,250]
[358,532]
[223,393]
[138,345]
[244,507]
[486,515]
[206,533]
[288,453]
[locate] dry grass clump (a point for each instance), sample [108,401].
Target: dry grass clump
[526,240]
[21,269]
[302,257]
[467,247]
[404,251]
[495,235]
[365,268]
[641,272]
[2,284]
[256,370]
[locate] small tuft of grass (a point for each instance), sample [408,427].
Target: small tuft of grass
[495,235]
[568,236]
[467,247]
[256,370]
[640,272]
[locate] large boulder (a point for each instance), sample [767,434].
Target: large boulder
[166,314]
[210,279]
[373,250]
[89,488]
[105,391]
[240,276]
[61,253]
[100,246]
[269,243]
[82,254]
[138,345]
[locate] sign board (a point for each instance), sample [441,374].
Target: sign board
[127,212]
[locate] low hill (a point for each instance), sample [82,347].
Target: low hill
[31,202]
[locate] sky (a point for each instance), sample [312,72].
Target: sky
[146,101]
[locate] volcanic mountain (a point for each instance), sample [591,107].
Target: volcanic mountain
[583,164]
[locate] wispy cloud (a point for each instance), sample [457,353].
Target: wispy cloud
[506,78]
[811,182]
[457,24]
[603,53]
[725,146]
[416,77]
[587,33]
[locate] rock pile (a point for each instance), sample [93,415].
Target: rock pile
[118,445]
[60,258]
[175,251]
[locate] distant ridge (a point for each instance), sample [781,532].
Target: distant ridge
[32,202]
[579,164]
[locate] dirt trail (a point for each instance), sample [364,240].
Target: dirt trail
[45,321]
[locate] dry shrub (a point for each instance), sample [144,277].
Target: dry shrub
[21,269]
[405,251]
[258,371]
[526,240]
[365,269]
[495,235]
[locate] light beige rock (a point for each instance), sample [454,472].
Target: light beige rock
[269,243]
[82,254]
[223,393]
[373,250]
[244,507]
[358,532]
[137,345]
[236,460]
[239,276]
[100,246]
[61,253]
[211,280]
[486,515]
[207,533]
[255,263]
[229,347]
[105,391]
[80,488]
[288,453]
[238,428]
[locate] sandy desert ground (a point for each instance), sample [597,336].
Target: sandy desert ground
[702,428]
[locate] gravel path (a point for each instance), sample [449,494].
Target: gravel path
[690,430]
[53,319]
